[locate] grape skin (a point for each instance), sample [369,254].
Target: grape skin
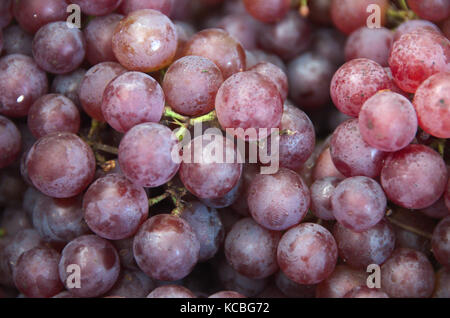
[432,10]
[411,25]
[132,284]
[324,167]
[440,242]
[267,11]
[68,85]
[171,291]
[16,41]
[10,142]
[227,294]
[340,282]
[164,6]
[321,192]
[276,74]
[98,7]
[365,292]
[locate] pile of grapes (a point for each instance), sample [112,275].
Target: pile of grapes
[99,100]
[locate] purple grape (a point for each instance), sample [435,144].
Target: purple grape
[98,263]
[365,292]
[10,142]
[248,174]
[442,287]
[275,74]
[69,85]
[98,7]
[14,219]
[166,247]
[329,43]
[227,294]
[440,242]
[125,250]
[228,199]
[132,284]
[16,41]
[59,49]
[164,6]
[340,282]
[255,57]
[411,25]
[267,11]
[292,289]
[145,155]
[171,291]
[438,210]
[433,10]
[242,27]
[321,193]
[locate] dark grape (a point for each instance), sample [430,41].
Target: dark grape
[321,192]
[10,142]
[442,287]
[267,11]
[329,43]
[14,219]
[292,289]
[98,7]
[438,210]
[5,13]
[440,242]
[132,284]
[340,282]
[17,41]
[433,10]
[68,85]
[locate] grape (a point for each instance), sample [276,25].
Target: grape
[358,203]
[98,34]
[130,99]
[145,155]
[255,57]
[321,192]
[349,15]
[36,273]
[207,171]
[251,249]
[351,155]
[442,289]
[185,32]
[319,12]
[278,201]
[365,292]
[432,103]
[411,25]
[340,282]
[267,11]
[53,113]
[114,208]
[10,142]
[287,38]
[59,49]
[325,167]
[373,246]
[329,43]
[207,226]
[414,177]
[5,13]
[417,55]
[94,84]
[125,250]
[388,121]
[227,294]
[275,74]
[34,14]
[221,48]
[164,6]
[145,40]
[60,165]
[21,83]
[98,7]
[292,289]
[441,242]
[242,27]
[355,82]
[307,253]
[16,41]
[249,100]
[12,187]
[59,220]
[14,219]
[166,247]
[68,85]
[228,199]
[407,274]
[309,78]
[438,210]
[132,284]
[191,84]
[98,264]
[433,10]
[373,44]
[171,291]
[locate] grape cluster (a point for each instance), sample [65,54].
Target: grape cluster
[224,148]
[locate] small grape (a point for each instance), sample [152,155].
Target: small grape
[267,11]
[432,10]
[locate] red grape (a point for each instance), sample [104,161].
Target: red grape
[255,57]
[243,27]
[330,44]
[340,282]
[98,7]
[307,253]
[321,192]
[228,199]
[440,242]
[411,25]
[438,210]
[433,10]
[365,292]
[324,166]
[17,41]
[164,6]
[267,11]
[276,74]
[69,85]
[171,291]
[10,142]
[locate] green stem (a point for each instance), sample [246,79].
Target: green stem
[177,211]
[304,9]
[208,117]
[403,5]
[168,112]
[181,132]
[159,198]
[2,232]
[94,127]
[105,148]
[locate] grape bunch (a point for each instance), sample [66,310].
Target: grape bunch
[224,148]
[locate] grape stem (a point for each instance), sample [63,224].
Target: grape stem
[159,198]
[108,165]
[304,9]
[168,112]
[187,121]
[208,117]
[105,148]
[409,228]
[2,232]
[403,5]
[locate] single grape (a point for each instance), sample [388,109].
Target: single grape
[388,121]
[93,86]
[166,247]
[432,10]
[61,165]
[324,167]
[340,282]
[351,155]
[407,274]
[131,44]
[58,48]
[69,85]
[417,55]
[21,83]
[207,226]
[145,155]
[329,43]
[210,167]
[164,6]
[365,292]
[98,264]
[414,177]
[307,253]
[36,273]
[171,291]
[132,284]
[227,294]
[292,289]
[442,287]
[440,242]
[191,84]
[10,142]
[358,203]
[59,220]
[98,7]
[250,104]
[267,11]
[242,27]
[432,103]
[16,41]
[221,48]
[251,249]
[373,246]
[355,82]
[34,14]
[98,34]
[278,201]
[14,219]
[321,192]
[373,44]
[411,25]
